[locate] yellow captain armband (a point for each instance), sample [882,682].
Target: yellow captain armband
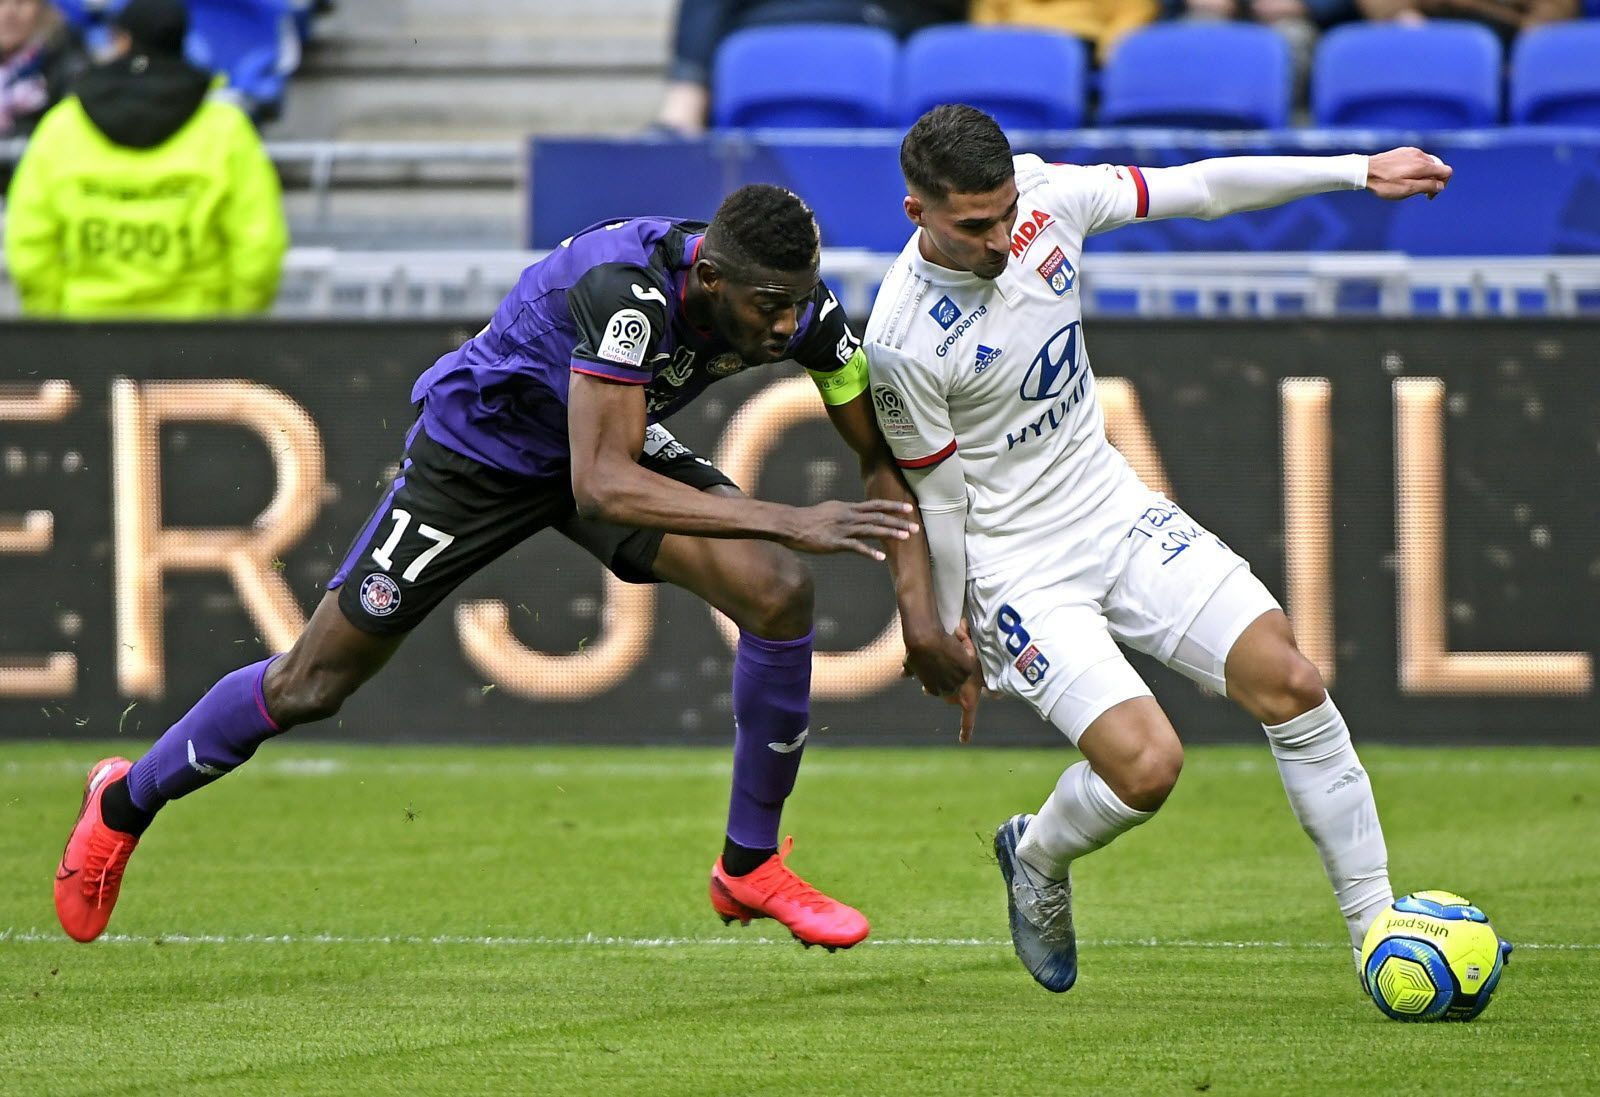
[844,384]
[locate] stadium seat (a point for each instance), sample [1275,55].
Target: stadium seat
[1027,79]
[805,75]
[1555,75]
[1217,76]
[1439,75]
[254,42]
[80,15]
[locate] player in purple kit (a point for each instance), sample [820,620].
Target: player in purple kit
[549,417]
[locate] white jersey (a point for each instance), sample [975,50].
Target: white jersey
[998,370]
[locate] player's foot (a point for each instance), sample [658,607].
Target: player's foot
[1041,912]
[774,891]
[90,874]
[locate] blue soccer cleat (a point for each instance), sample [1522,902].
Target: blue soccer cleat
[1041,912]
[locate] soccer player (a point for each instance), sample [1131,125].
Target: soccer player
[1043,533]
[549,417]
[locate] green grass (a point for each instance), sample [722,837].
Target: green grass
[523,862]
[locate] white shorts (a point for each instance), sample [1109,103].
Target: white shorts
[1141,573]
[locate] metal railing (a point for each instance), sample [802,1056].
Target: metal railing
[327,282]
[324,282]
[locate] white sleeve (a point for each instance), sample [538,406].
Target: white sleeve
[1108,196]
[942,498]
[914,416]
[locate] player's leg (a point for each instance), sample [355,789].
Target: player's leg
[1242,643]
[767,591]
[1041,637]
[1131,761]
[396,580]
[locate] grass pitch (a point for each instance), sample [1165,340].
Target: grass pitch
[417,921]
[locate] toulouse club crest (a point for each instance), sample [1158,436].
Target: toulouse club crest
[380,595]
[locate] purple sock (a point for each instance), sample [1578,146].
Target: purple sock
[771,714]
[220,733]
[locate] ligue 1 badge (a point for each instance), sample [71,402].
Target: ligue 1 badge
[1057,272]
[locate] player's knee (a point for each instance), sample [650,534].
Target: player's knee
[784,598]
[1150,776]
[304,697]
[1294,687]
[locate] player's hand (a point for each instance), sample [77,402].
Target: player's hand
[837,526]
[966,699]
[942,665]
[1400,173]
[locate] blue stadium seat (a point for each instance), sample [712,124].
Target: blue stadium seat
[1217,76]
[805,75]
[80,15]
[1555,75]
[1027,79]
[1439,75]
[254,42]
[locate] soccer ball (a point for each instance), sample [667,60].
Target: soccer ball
[1432,956]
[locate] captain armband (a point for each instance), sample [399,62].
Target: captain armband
[842,385]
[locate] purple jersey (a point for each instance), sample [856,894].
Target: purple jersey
[608,302]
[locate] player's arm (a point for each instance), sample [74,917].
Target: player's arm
[913,416]
[605,424]
[620,316]
[1208,189]
[940,661]
[832,355]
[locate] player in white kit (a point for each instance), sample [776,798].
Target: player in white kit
[1043,538]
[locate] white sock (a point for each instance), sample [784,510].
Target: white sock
[1332,798]
[1080,816]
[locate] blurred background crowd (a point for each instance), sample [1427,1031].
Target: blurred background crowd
[104,102]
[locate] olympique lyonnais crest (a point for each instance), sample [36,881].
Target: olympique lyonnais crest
[1032,664]
[380,595]
[1057,272]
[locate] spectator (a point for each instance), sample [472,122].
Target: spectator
[142,195]
[1297,21]
[703,24]
[1098,22]
[1505,17]
[38,59]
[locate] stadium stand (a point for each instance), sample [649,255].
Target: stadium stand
[767,77]
[1214,76]
[1027,79]
[1436,75]
[254,43]
[1555,75]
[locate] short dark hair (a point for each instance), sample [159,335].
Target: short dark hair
[955,148]
[763,226]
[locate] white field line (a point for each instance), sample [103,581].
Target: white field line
[588,940]
[817,767]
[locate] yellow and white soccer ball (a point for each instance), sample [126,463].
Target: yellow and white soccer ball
[1432,956]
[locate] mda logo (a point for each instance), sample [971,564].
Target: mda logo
[945,312]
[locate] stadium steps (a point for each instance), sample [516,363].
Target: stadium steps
[479,69]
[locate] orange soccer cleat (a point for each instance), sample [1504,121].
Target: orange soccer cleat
[90,874]
[774,891]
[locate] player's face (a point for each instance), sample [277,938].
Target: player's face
[970,232]
[758,317]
